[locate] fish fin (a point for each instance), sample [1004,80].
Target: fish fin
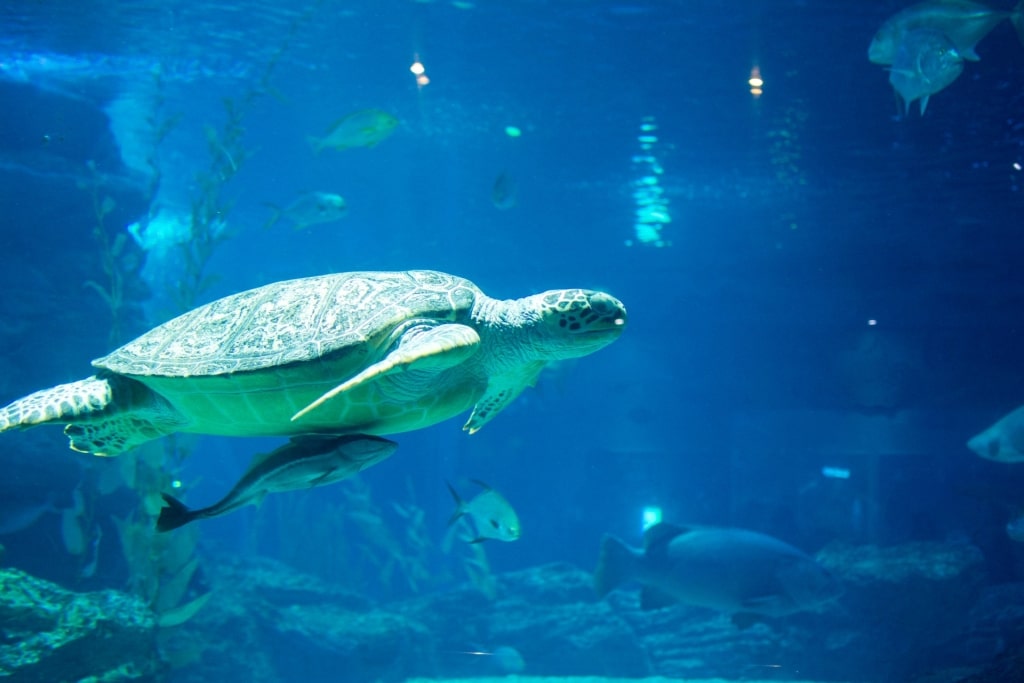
[173,515]
[478,539]
[274,217]
[322,478]
[744,620]
[481,484]
[460,507]
[615,565]
[924,104]
[652,598]
[257,500]
[969,54]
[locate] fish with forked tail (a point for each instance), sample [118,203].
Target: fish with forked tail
[303,462]
[740,572]
[492,515]
[962,21]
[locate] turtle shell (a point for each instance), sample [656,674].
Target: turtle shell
[291,322]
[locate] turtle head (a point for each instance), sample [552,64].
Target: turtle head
[576,322]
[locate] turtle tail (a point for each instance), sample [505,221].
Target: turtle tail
[57,404]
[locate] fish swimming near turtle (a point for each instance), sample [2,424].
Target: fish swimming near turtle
[371,352]
[304,462]
[310,208]
[743,573]
[493,517]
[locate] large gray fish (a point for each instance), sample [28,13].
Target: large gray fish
[1003,441]
[962,21]
[302,463]
[743,573]
[926,62]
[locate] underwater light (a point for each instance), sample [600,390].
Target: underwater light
[417,68]
[650,516]
[176,484]
[513,131]
[835,472]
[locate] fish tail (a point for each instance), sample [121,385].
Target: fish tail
[614,565]
[274,217]
[173,515]
[460,507]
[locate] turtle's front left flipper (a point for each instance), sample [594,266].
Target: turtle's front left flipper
[434,347]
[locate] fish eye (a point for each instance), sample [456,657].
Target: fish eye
[495,524]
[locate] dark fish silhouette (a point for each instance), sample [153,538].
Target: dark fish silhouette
[743,573]
[503,194]
[303,462]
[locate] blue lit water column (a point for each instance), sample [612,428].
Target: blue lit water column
[651,204]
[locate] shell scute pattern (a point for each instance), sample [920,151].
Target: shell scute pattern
[291,321]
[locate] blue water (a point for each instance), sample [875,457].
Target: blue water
[839,285]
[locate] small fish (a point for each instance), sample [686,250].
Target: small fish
[492,515]
[310,208]
[743,573]
[962,21]
[504,191]
[364,128]
[926,62]
[1003,441]
[303,462]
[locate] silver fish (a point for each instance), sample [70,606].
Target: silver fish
[1003,441]
[492,515]
[962,21]
[303,462]
[310,208]
[740,572]
[926,62]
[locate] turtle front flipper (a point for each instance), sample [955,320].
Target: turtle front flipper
[58,404]
[501,390]
[421,348]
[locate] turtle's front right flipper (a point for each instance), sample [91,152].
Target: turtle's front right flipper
[62,403]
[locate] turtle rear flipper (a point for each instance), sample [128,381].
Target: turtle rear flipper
[60,403]
[121,431]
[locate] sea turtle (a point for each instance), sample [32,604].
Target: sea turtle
[362,352]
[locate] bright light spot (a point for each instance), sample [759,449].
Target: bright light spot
[835,472]
[422,80]
[872,322]
[417,68]
[755,80]
[756,92]
[512,131]
[651,516]
[176,484]
[1016,166]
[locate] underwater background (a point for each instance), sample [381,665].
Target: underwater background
[824,294]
